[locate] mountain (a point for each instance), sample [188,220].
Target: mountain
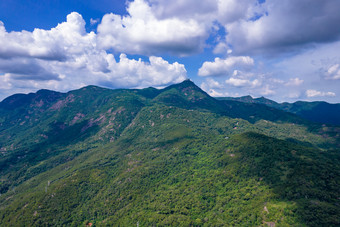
[320,112]
[163,157]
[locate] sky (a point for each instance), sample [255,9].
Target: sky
[282,50]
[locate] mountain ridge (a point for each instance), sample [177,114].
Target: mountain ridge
[316,111]
[172,156]
[182,100]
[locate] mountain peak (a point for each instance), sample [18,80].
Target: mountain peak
[46,91]
[188,82]
[90,88]
[185,85]
[188,95]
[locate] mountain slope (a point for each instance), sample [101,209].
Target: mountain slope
[174,156]
[83,117]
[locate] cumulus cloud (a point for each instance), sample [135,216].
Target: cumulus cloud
[215,93]
[333,72]
[222,48]
[210,84]
[284,25]
[136,73]
[128,73]
[141,32]
[87,69]
[58,44]
[214,88]
[180,17]
[67,57]
[314,93]
[221,67]
[243,82]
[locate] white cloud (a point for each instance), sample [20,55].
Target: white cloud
[312,66]
[243,82]
[214,88]
[215,93]
[127,73]
[267,91]
[234,10]
[273,25]
[210,83]
[294,82]
[141,32]
[68,38]
[206,12]
[221,67]
[222,48]
[242,74]
[189,9]
[285,25]
[333,72]
[315,93]
[133,73]
[67,57]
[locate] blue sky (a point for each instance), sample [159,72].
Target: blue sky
[283,50]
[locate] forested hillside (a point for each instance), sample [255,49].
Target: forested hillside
[168,157]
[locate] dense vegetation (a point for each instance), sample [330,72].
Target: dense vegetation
[163,157]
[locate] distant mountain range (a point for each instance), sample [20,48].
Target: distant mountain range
[167,157]
[321,112]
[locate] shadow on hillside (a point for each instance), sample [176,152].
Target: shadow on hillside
[295,173]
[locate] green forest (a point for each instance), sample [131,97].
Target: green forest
[163,157]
